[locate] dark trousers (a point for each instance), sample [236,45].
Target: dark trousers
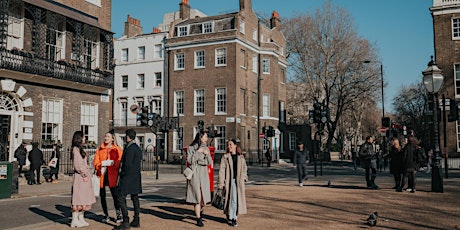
[301,171]
[55,172]
[409,176]
[116,203]
[371,171]
[34,172]
[398,178]
[124,207]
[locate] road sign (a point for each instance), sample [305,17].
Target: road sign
[383,131]
[261,135]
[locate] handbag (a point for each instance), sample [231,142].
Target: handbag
[188,173]
[218,201]
[96,184]
[53,162]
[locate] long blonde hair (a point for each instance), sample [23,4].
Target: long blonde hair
[396,144]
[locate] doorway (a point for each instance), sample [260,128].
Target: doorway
[4,137]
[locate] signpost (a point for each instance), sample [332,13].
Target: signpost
[261,135]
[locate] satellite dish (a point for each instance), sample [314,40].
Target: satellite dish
[135,108]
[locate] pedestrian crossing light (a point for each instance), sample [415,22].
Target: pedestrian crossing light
[317,112]
[142,117]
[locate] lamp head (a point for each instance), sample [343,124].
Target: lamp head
[432,77]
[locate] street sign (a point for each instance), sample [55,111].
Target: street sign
[261,135]
[383,132]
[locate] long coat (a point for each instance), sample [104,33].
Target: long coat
[21,154]
[36,158]
[82,191]
[199,183]
[225,177]
[129,176]
[103,153]
[396,162]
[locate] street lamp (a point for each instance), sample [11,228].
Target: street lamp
[433,79]
[383,103]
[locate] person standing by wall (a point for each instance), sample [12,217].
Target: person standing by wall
[368,160]
[55,170]
[396,161]
[232,176]
[198,187]
[36,161]
[107,163]
[82,188]
[129,180]
[21,154]
[301,159]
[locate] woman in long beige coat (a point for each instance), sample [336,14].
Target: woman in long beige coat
[233,174]
[198,188]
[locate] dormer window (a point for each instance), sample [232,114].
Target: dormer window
[182,31]
[207,27]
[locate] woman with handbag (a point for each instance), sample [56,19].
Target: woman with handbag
[198,188]
[107,163]
[55,156]
[232,176]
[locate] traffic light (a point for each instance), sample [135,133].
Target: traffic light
[311,116]
[271,131]
[386,122]
[317,112]
[453,114]
[264,130]
[142,117]
[325,116]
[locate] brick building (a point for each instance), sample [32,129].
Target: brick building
[227,70]
[446,28]
[55,71]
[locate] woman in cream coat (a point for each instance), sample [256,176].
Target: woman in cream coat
[232,176]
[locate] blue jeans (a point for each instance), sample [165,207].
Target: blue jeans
[233,208]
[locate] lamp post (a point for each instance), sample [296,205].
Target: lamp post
[383,104]
[433,79]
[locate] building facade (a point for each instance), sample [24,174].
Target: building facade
[139,79]
[229,71]
[446,28]
[55,72]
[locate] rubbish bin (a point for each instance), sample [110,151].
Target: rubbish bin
[210,167]
[6,179]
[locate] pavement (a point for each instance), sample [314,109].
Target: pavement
[334,199]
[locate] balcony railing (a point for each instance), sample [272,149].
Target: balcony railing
[26,62]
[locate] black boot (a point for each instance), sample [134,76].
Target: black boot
[199,222]
[136,223]
[124,225]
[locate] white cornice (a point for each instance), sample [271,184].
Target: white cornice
[447,9]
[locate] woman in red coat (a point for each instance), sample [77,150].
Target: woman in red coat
[107,162]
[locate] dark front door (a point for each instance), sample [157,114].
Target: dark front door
[4,134]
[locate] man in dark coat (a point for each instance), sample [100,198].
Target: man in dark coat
[36,161]
[129,180]
[368,160]
[301,159]
[21,154]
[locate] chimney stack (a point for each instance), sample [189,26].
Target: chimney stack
[184,10]
[156,30]
[245,4]
[132,27]
[275,20]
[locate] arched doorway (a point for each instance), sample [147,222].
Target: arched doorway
[8,106]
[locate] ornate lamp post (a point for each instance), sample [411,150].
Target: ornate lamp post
[433,79]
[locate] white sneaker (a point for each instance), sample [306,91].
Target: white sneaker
[301,184]
[409,189]
[105,219]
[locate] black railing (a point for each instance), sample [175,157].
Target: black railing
[26,62]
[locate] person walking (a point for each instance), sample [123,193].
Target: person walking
[410,164]
[301,159]
[107,163]
[368,160]
[36,161]
[232,176]
[55,170]
[21,155]
[396,162]
[129,180]
[82,188]
[268,155]
[198,187]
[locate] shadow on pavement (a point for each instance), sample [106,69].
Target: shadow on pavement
[57,218]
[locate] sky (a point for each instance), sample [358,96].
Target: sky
[401,30]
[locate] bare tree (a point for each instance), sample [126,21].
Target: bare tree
[327,57]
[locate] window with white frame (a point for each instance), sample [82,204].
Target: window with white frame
[292,141]
[242,27]
[178,103]
[254,65]
[221,100]
[55,44]
[15,35]
[141,53]
[52,117]
[140,102]
[221,143]
[158,51]
[91,52]
[207,27]
[157,106]
[157,79]
[182,31]
[456,28]
[124,112]
[179,61]
[178,141]
[266,105]
[199,101]
[457,79]
[124,55]
[243,58]
[199,59]
[89,117]
[254,35]
[124,82]
[221,57]
[266,66]
[140,81]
